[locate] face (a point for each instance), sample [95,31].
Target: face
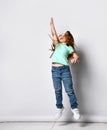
[62,37]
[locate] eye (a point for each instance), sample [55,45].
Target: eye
[59,35]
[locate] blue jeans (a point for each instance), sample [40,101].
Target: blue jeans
[59,74]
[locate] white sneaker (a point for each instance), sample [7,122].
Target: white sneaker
[76,113]
[59,113]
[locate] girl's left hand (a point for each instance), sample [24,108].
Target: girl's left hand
[73,61]
[75,58]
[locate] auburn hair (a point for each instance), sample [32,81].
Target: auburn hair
[70,42]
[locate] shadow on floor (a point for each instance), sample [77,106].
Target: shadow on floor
[82,124]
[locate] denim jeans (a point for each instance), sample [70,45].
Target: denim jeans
[59,74]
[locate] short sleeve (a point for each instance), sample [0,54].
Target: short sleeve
[57,44]
[70,49]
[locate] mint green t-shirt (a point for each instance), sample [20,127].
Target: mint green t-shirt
[61,52]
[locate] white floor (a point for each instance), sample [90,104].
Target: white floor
[52,126]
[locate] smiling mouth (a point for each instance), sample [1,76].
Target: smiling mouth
[60,38]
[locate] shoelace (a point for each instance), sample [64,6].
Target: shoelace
[77,111]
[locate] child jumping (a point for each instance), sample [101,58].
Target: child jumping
[64,53]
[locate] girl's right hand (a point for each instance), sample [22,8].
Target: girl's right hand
[51,22]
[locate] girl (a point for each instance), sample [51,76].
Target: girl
[64,53]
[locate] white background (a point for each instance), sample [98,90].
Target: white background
[26,89]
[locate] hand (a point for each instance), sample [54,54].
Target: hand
[51,22]
[73,60]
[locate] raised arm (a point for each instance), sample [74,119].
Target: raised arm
[53,31]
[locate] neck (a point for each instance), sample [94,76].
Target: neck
[63,43]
